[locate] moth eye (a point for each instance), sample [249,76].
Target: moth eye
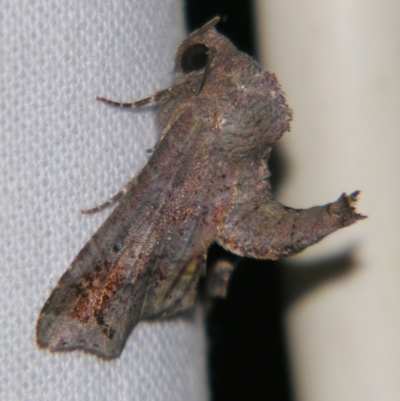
[194,58]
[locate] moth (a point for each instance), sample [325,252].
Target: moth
[206,181]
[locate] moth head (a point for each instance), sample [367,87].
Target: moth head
[201,50]
[194,58]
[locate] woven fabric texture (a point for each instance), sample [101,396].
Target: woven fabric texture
[61,152]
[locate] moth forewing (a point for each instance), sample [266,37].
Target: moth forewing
[206,180]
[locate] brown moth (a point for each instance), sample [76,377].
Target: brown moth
[207,180]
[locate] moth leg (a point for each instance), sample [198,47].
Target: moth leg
[110,202]
[218,278]
[270,230]
[128,105]
[158,97]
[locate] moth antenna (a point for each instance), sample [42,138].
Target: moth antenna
[206,70]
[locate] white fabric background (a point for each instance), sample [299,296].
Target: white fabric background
[338,62]
[61,152]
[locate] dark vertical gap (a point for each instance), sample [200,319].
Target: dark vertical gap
[247,348]
[236,20]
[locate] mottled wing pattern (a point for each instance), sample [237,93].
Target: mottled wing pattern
[146,259]
[207,180]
